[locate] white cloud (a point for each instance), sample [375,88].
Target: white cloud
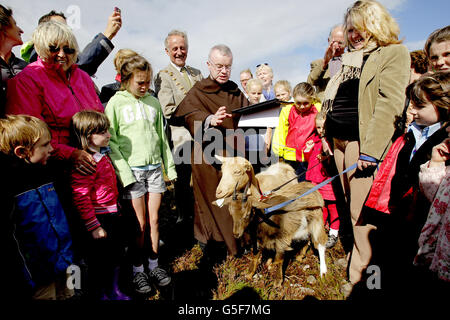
[287,34]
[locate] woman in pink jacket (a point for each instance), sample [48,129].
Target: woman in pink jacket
[53,89]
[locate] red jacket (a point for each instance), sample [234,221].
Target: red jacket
[95,193]
[316,172]
[379,195]
[301,126]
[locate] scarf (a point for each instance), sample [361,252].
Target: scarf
[351,69]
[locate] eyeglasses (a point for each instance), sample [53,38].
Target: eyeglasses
[67,50]
[219,67]
[265,63]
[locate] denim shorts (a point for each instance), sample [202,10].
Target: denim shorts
[147,181]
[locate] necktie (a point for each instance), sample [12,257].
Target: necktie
[186,77]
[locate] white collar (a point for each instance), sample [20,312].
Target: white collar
[97,155]
[177,67]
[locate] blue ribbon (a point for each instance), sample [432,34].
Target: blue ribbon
[317,187]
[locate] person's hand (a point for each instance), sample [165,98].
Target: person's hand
[114,25]
[329,53]
[83,162]
[326,147]
[309,145]
[364,164]
[440,153]
[99,233]
[218,117]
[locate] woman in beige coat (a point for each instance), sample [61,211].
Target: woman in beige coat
[362,101]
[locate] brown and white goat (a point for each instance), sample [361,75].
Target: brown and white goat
[300,220]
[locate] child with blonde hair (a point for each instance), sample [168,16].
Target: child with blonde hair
[254,91]
[34,225]
[95,197]
[318,165]
[283,92]
[140,153]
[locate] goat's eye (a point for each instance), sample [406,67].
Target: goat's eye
[237,172]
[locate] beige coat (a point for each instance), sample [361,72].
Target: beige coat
[381,98]
[171,88]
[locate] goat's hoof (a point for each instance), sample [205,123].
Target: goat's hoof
[269,263]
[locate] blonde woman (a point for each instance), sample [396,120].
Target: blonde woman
[361,102]
[53,89]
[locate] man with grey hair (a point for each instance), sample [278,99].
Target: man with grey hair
[322,70]
[171,85]
[206,112]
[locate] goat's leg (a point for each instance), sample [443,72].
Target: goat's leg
[319,238]
[301,255]
[254,265]
[278,264]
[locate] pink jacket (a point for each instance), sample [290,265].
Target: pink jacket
[316,172]
[42,90]
[96,193]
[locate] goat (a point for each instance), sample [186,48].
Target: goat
[299,220]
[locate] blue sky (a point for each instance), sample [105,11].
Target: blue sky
[287,34]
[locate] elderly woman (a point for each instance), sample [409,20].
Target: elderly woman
[10,65]
[53,89]
[361,102]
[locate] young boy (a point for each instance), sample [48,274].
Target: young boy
[36,232]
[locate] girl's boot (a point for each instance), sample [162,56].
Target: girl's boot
[115,293]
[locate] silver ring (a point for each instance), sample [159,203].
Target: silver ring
[80,166]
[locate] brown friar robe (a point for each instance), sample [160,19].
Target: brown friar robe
[203,100]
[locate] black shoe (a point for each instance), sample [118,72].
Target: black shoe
[141,284]
[331,242]
[160,276]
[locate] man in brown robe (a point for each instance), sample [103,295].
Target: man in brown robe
[206,112]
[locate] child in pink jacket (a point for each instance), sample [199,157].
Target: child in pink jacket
[95,197]
[314,154]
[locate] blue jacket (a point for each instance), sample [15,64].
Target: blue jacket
[39,242]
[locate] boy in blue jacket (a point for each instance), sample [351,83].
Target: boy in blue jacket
[35,233]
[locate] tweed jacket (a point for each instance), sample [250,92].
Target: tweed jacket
[381,97]
[319,77]
[171,88]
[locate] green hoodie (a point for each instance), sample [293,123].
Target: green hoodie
[137,135]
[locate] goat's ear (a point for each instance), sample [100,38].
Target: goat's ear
[220,158]
[222,202]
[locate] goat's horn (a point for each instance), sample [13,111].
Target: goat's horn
[244,196]
[235,191]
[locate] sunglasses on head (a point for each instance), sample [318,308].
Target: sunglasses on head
[67,50]
[265,63]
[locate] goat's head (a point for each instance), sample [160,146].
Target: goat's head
[236,174]
[240,208]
